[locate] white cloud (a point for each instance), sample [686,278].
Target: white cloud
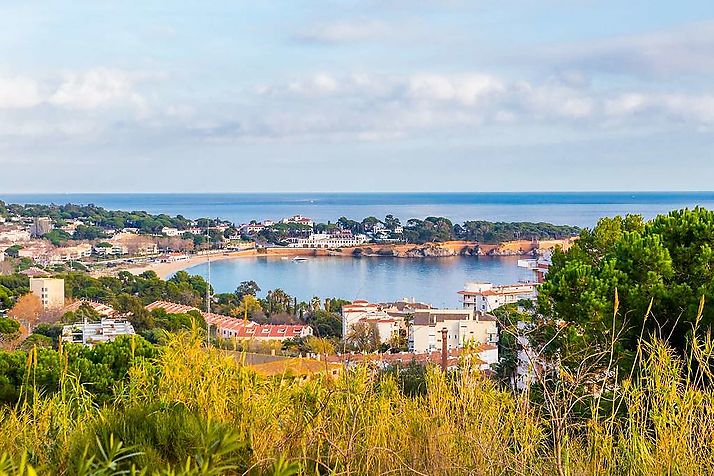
[97,88]
[19,93]
[344,31]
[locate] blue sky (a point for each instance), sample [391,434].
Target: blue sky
[388,95]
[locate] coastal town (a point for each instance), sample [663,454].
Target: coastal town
[95,240]
[45,249]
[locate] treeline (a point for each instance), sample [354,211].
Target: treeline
[98,217]
[440,229]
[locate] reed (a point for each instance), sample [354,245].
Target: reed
[194,410]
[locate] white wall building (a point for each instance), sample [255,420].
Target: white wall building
[463,326]
[299,219]
[486,297]
[90,333]
[49,290]
[328,240]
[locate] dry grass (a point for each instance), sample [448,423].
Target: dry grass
[197,411]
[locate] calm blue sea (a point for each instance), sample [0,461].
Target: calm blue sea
[576,208]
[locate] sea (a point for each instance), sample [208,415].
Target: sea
[432,280]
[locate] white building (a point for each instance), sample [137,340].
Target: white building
[538,266]
[299,220]
[252,228]
[463,326]
[49,290]
[168,231]
[328,240]
[90,333]
[70,253]
[486,297]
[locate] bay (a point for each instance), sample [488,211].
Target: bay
[432,280]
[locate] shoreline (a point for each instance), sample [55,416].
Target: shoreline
[454,248]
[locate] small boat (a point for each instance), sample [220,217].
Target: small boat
[299,258]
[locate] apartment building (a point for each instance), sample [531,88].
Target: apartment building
[91,333]
[485,297]
[49,290]
[463,326]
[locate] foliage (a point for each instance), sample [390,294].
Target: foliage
[325,323]
[412,420]
[659,270]
[363,337]
[57,237]
[8,326]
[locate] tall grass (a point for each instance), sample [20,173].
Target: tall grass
[199,411]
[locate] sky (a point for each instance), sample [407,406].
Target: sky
[372,95]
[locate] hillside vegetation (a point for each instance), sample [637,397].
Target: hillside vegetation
[190,410]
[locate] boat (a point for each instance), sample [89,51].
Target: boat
[299,258]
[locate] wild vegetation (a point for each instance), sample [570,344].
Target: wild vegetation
[190,410]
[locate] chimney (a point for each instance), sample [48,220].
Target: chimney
[444,349]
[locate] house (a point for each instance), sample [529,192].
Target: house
[228,327]
[299,220]
[463,327]
[252,228]
[91,333]
[172,258]
[70,253]
[390,319]
[342,239]
[105,248]
[539,266]
[49,290]
[168,231]
[486,297]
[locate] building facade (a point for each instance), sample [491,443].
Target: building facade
[50,291]
[485,297]
[328,240]
[91,333]
[463,327]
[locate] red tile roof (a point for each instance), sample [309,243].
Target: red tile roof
[230,327]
